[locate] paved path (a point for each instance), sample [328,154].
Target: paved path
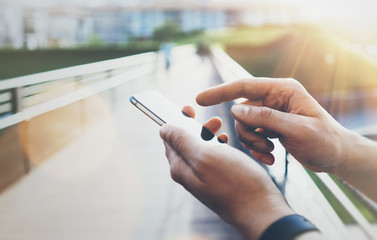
[113,181]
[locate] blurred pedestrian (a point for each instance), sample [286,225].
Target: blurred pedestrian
[166,49]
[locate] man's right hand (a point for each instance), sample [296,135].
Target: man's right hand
[282,108]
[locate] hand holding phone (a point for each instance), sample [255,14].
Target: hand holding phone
[163,111]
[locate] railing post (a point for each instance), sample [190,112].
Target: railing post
[157,61]
[81,104]
[16,100]
[78,81]
[109,73]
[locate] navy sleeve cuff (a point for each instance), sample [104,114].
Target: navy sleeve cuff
[288,227]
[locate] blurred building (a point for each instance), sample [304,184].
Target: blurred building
[114,26]
[41,28]
[68,27]
[11,27]
[118,26]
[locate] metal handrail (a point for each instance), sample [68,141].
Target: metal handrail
[343,199]
[86,80]
[230,70]
[97,67]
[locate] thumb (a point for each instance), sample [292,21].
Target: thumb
[266,118]
[185,144]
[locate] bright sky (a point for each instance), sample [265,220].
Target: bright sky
[132,2]
[43,3]
[343,11]
[317,6]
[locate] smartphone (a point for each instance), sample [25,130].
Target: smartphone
[162,111]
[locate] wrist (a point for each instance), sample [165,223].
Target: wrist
[347,140]
[253,221]
[360,166]
[356,149]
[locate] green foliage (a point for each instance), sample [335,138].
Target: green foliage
[21,62]
[16,63]
[95,41]
[247,35]
[148,45]
[169,31]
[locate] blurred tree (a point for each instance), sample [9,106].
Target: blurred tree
[95,41]
[169,31]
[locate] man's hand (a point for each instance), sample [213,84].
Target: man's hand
[225,180]
[282,108]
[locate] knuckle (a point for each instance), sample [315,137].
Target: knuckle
[306,129]
[265,112]
[243,81]
[244,84]
[174,172]
[204,163]
[180,144]
[243,138]
[293,83]
[168,135]
[201,166]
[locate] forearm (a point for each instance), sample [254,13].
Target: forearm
[359,168]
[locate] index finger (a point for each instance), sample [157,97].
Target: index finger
[252,89]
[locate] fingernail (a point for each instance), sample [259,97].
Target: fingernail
[206,134]
[185,114]
[261,146]
[239,110]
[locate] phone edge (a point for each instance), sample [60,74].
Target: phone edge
[146,111]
